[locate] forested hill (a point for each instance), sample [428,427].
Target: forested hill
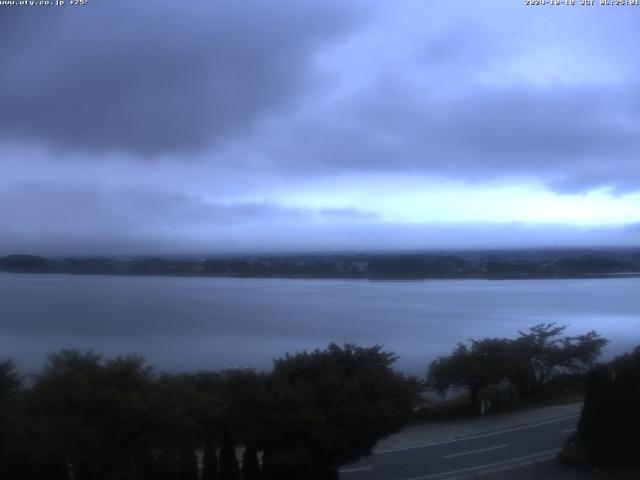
[469,264]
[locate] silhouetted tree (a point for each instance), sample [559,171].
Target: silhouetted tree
[595,422]
[486,362]
[49,465]
[187,464]
[243,401]
[229,467]
[250,464]
[610,419]
[93,413]
[210,459]
[547,351]
[166,467]
[13,458]
[330,407]
[10,383]
[103,419]
[174,405]
[527,362]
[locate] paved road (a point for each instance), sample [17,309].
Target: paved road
[492,454]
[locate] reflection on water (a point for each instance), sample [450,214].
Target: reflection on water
[210,323]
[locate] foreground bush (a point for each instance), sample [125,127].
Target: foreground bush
[609,427]
[89,418]
[331,407]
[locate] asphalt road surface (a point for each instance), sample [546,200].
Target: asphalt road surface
[522,452]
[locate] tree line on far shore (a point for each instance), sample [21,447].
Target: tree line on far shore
[497,264]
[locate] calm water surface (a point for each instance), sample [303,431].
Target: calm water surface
[211,323]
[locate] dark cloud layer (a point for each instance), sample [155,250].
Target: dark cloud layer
[574,138]
[128,127]
[156,79]
[147,82]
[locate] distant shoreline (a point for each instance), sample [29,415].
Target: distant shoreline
[301,277]
[497,265]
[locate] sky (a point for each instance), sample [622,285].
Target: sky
[248,126]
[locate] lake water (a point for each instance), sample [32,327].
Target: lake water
[211,323]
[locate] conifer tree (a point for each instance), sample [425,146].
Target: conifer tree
[229,467]
[210,459]
[187,465]
[250,464]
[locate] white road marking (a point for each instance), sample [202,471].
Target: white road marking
[472,437]
[487,465]
[470,452]
[357,469]
[545,459]
[503,468]
[568,430]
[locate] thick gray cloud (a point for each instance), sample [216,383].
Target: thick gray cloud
[573,138]
[146,82]
[156,79]
[226,125]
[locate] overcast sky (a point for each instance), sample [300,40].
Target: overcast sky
[243,126]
